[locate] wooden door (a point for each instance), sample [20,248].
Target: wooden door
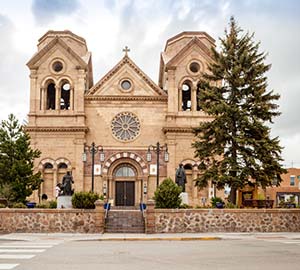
[124,193]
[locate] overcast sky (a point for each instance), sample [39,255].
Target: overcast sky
[145,26]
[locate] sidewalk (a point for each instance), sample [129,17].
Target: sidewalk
[145,237]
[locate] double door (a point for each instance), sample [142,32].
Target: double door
[125,193]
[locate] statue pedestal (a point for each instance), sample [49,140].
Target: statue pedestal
[64,202]
[184,197]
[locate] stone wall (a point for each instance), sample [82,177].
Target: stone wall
[52,220]
[225,220]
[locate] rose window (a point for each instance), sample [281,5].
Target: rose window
[125,126]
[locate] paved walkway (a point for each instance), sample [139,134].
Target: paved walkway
[145,237]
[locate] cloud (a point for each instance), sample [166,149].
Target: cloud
[13,90]
[145,26]
[46,11]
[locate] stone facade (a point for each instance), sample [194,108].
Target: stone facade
[226,220]
[68,112]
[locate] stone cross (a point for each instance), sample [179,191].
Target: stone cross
[126,50]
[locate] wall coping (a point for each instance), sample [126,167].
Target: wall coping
[46,211]
[213,210]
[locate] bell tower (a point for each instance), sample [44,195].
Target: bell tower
[183,60]
[182,63]
[60,74]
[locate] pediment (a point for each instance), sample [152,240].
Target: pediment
[194,44]
[57,44]
[126,70]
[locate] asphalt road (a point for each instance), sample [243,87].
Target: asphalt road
[271,253]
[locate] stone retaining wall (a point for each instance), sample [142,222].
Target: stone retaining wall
[221,220]
[52,220]
[239,220]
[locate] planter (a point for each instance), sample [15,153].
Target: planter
[142,206]
[220,205]
[106,206]
[30,204]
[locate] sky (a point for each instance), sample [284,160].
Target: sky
[144,26]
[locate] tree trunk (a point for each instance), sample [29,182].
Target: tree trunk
[232,195]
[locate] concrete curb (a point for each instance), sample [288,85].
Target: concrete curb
[154,239]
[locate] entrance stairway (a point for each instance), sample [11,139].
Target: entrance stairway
[124,220]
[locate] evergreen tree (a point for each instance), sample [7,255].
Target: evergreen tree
[16,161]
[167,195]
[235,148]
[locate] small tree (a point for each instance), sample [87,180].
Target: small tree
[84,199]
[236,147]
[167,195]
[16,161]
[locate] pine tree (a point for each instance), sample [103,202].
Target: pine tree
[235,148]
[16,161]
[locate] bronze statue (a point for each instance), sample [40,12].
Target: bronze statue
[180,177]
[66,187]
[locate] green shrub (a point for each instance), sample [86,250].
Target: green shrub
[18,205]
[53,204]
[85,200]
[185,206]
[2,205]
[216,200]
[167,195]
[41,205]
[230,205]
[47,204]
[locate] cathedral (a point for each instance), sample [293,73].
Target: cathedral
[122,135]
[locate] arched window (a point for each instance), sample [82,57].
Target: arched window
[198,101]
[186,93]
[125,171]
[188,167]
[50,97]
[48,165]
[65,96]
[62,165]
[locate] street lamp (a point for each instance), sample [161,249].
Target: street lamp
[158,148]
[93,150]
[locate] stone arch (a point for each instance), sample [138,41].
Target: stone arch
[46,80]
[63,160]
[65,78]
[129,156]
[44,161]
[189,161]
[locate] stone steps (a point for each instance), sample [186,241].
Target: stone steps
[124,221]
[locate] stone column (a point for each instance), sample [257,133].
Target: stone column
[99,216]
[150,217]
[57,96]
[172,92]
[111,195]
[42,97]
[72,98]
[55,173]
[195,189]
[34,91]
[171,165]
[194,97]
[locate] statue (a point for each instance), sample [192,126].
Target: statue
[181,177]
[66,187]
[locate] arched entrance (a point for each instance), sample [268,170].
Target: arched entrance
[125,178]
